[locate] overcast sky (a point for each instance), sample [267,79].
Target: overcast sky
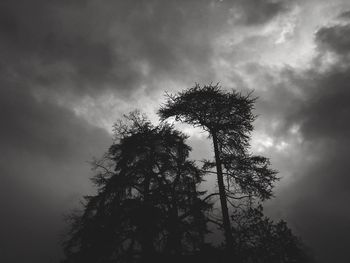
[69,69]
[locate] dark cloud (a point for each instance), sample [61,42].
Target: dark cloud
[56,53]
[316,101]
[60,41]
[318,204]
[257,12]
[44,171]
[87,46]
[328,109]
[335,38]
[345,15]
[111,45]
[324,190]
[40,127]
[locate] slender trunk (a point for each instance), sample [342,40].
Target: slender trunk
[174,241]
[146,228]
[223,200]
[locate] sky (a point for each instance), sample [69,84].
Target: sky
[70,69]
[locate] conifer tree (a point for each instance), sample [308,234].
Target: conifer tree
[147,202]
[227,117]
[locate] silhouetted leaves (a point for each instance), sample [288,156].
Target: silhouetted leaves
[147,201]
[212,109]
[148,207]
[228,117]
[258,239]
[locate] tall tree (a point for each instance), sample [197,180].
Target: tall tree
[227,117]
[147,202]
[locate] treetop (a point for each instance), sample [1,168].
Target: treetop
[211,108]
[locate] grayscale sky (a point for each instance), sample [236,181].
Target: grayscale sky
[69,69]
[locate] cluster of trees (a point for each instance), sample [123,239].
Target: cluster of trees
[148,207]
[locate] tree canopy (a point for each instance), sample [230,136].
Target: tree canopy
[227,117]
[148,207]
[147,201]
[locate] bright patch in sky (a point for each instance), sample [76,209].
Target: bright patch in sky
[261,142]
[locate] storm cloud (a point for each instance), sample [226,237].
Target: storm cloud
[310,109]
[325,127]
[68,69]
[44,150]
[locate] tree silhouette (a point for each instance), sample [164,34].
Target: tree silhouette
[227,117]
[258,239]
[147,202]
[148,208]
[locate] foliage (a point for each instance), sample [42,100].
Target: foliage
[212,109]
[227,117]
[258,239]
[146,204]
[148,208]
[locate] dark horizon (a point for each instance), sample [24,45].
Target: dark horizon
[69,70]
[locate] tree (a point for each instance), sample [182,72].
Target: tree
[227,117]
[147,207]
[147,203]
[258,239]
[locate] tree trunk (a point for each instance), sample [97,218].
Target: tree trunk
[223,200]
[147,229]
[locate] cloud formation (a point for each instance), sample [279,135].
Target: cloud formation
[324,125]
[310,110]
[68,68]
[44,150]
